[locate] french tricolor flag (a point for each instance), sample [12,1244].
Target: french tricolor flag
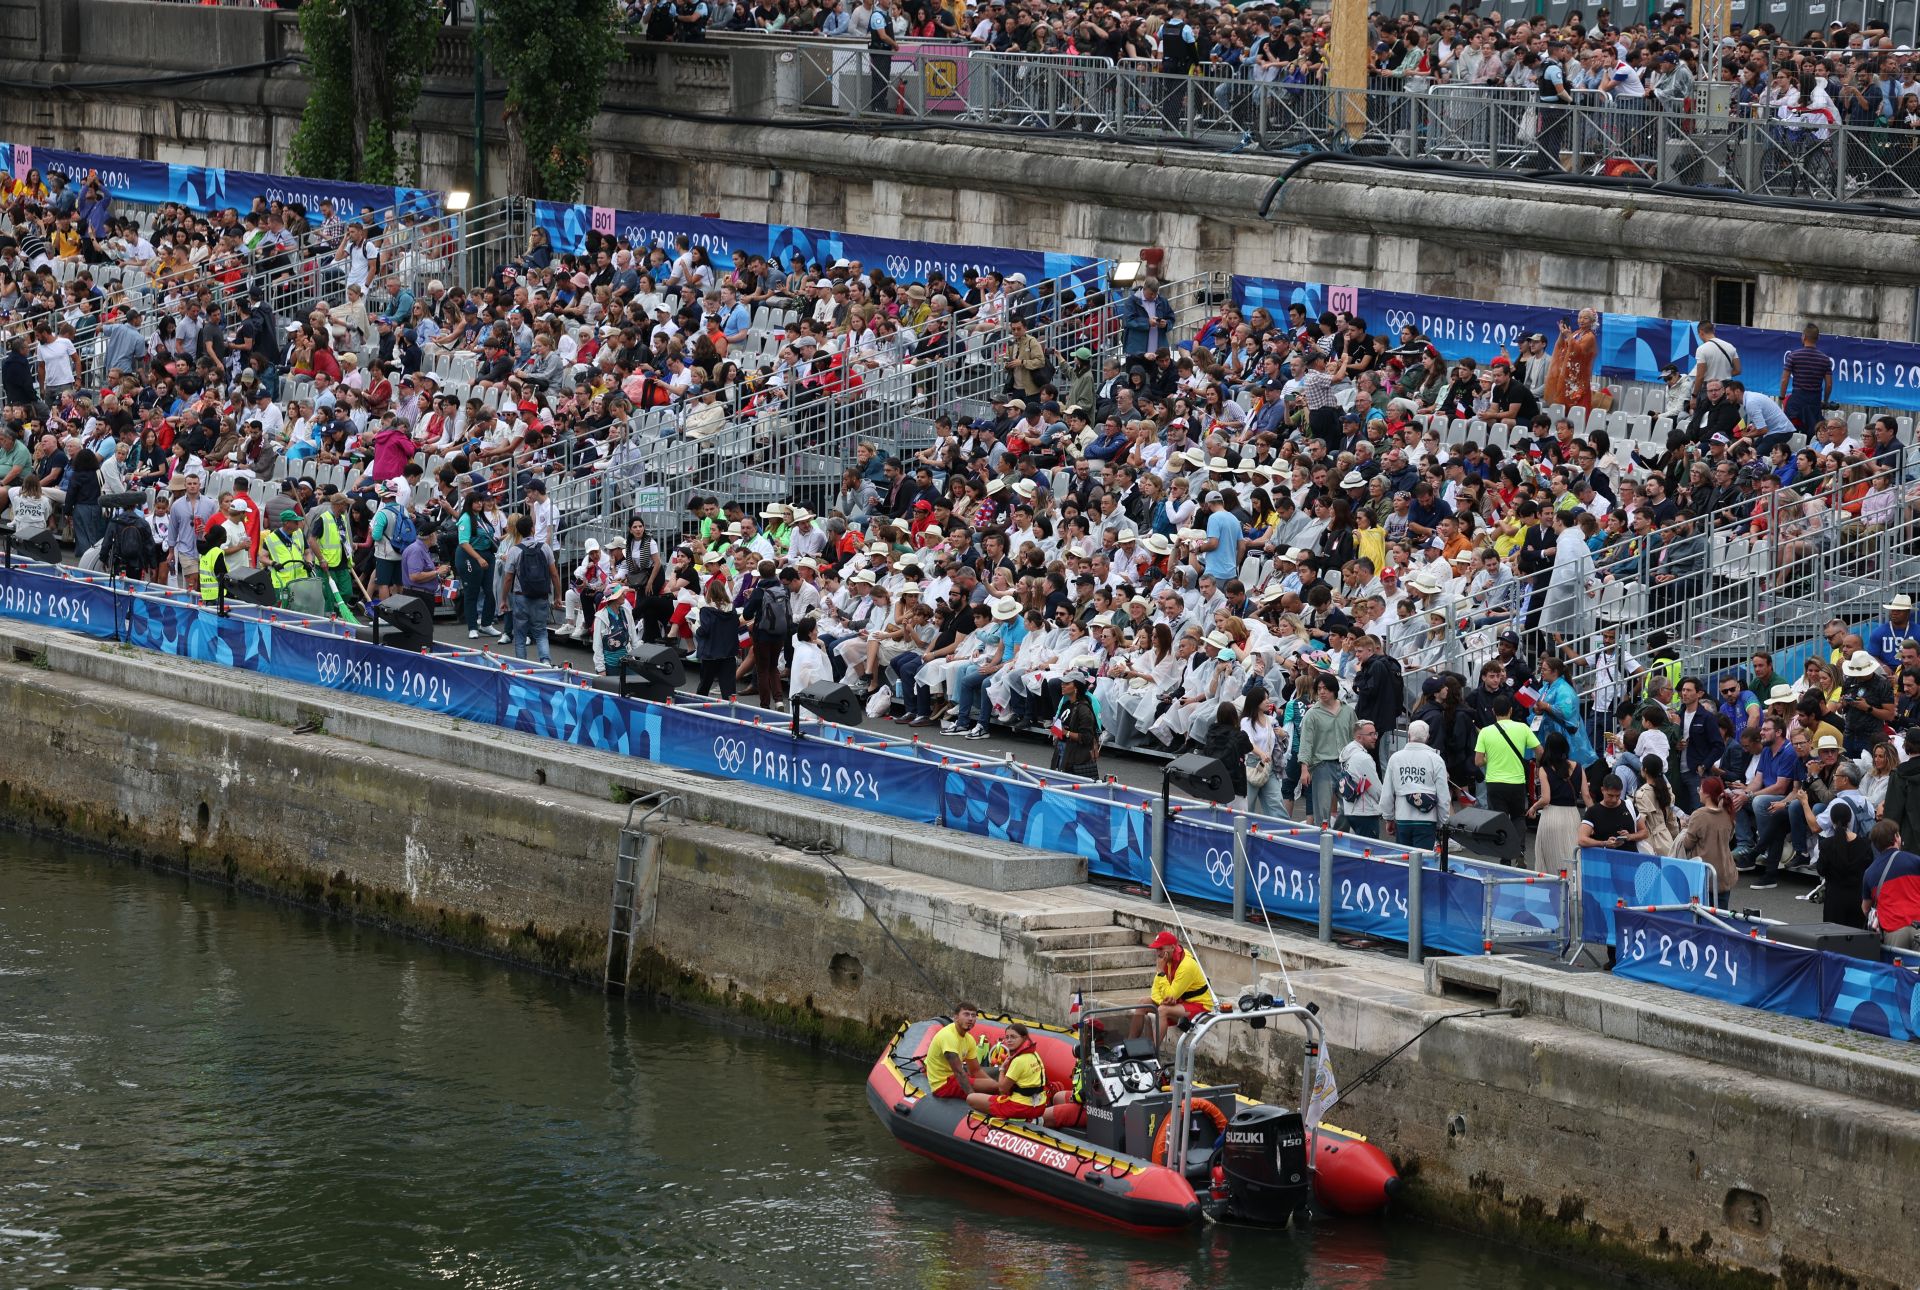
[1073,1013]
[1526,696]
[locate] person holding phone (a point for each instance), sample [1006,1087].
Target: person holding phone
[1611,821]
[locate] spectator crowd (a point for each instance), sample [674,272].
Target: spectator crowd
[1259,537]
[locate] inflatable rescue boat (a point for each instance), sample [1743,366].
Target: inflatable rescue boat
[1152,1151]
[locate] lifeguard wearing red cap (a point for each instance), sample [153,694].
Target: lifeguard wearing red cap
[1166,940]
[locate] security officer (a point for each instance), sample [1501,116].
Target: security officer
[286,562]
[328,540]
[213,569]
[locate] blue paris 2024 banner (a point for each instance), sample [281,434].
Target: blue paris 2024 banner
[209,188]
[1633,347]
[905,261]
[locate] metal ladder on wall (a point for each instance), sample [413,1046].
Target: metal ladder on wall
[636,875]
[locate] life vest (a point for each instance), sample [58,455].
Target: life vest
[211,564]
[285,565]
[328,539]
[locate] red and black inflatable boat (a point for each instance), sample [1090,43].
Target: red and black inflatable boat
[1251,1162]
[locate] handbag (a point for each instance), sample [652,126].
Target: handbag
[1259,770]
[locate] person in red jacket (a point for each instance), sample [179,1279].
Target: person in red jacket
[1892,888]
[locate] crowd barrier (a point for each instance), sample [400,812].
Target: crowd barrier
[204,189]
[567,227]
[1732,960]
[1468,910]
[1632,347]
[1609,879]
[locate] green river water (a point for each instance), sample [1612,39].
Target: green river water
[199,1088]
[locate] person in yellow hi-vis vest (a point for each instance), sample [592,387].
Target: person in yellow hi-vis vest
[213,569]
[330,540]
[1021,1091]
[1180,987]
[285,558]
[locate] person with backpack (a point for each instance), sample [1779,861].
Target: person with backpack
[393,532]
[473,565]
[769,612]
[716,640]
[529,581]
[129,549]
[613,635]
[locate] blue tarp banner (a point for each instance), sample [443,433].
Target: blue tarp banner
[1634,347]
[1609,877]
[905,261]
[1108,825]
[1675,949]
[209,188]
[1879,998]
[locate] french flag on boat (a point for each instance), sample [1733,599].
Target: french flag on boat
[1073,1013]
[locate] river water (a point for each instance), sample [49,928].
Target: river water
[201,1088]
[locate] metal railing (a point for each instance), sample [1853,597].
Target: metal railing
[1756,576]
[1493,126]
[795,446]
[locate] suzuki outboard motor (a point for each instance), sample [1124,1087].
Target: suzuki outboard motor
[1265,1162]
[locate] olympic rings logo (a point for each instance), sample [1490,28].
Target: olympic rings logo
[329,667]
[1220,866]
[731,754]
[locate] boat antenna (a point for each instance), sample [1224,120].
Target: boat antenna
[1279,959]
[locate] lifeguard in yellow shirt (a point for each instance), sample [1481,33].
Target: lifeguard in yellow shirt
[1180,988]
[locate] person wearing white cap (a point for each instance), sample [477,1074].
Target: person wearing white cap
[1866,702]
[1013,688]
[995,643]
[587,588]
[1885,639]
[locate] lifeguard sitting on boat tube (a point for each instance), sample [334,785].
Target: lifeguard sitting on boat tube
[1180,988]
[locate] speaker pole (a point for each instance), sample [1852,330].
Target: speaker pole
[1326,886]
[796,718]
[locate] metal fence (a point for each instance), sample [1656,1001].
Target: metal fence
[1493,126]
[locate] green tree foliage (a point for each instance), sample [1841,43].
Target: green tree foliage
[365,60]
[554,56]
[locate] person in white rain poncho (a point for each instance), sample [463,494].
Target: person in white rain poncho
[1567,612]
[1213,676]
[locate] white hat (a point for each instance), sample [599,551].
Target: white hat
[1195,457]
[863,576]
[824,283]
[1900,603]
[734,529]
[1190,535]
[1780,694]
[237,506]
[801,515]
[1298,553]
[996,484]
[1018,277]
[880,549]
[1245,468]
[1141,601]
[1125,535]
[807,562]
[1004,610]
[1826,742]
[1158,544]
[909,589]
[1860,664]
[1465,557]
[712,557]
[1219,640]
[774,512]
[1272,594]
[1219,465]
[1425,583]
[1353,479]
[1024,488]
[593,544]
